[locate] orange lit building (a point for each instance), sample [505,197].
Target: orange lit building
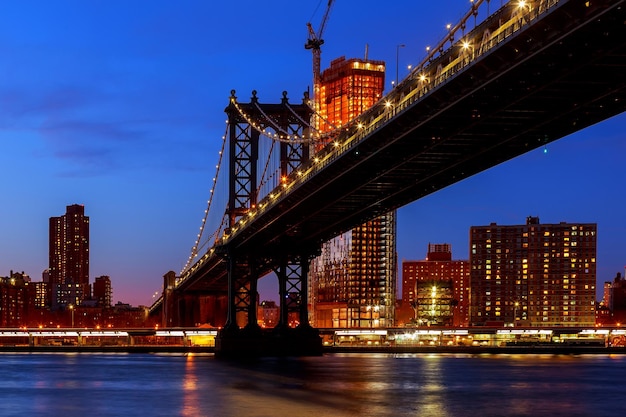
[347,89]
[436,290]
[353,281]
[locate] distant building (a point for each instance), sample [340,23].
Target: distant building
[69,258]
[102,291]
[353,281]
[42,299]
[533,274]
[268,314]
[613,302]
[435,291]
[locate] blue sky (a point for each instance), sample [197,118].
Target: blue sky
[119,105]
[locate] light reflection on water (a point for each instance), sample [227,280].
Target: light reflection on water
[332,385]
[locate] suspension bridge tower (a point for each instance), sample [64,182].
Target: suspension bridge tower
[287,126]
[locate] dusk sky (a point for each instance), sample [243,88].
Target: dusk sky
[119,105]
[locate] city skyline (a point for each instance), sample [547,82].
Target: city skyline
[120,108]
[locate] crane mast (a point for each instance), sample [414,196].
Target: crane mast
[314,43]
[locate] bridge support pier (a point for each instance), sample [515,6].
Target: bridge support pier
[290,266]
[284,339]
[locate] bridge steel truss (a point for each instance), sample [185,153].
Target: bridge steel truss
[290,263]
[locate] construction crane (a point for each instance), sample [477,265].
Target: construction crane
[314,43]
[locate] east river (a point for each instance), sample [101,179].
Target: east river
[87,384]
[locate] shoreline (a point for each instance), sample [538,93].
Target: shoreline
[473,350]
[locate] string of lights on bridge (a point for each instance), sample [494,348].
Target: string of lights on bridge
[194,249]
[286,136]
[423,78]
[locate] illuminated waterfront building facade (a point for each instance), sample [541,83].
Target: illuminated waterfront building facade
[69,258]
[436,290]
[533,274]
[353,281]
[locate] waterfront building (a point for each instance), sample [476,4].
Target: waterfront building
[353,281]
[435,291]
[16,299]
[533,274]
[69,258]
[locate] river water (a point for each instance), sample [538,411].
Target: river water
[80,384]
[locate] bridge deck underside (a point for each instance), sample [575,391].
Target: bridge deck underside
[521,95]
[539,86]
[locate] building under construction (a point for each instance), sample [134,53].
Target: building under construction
[353,281]
[347,89]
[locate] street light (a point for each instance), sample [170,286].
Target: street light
[72,313]
[398,59]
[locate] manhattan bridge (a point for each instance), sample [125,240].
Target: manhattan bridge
[499,84]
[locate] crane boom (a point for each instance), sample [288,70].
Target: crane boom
[314,43]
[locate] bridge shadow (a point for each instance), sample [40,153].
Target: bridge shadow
[285,385]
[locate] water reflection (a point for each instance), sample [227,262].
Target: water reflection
[333,385]
[191,404]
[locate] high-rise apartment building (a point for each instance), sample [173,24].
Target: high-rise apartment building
[69,258]
[437,288]
[353,281]
[533,274]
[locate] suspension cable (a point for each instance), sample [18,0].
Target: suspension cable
[194,250]
[276,137]
[264,180]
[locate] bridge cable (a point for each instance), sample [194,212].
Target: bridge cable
[194,250]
